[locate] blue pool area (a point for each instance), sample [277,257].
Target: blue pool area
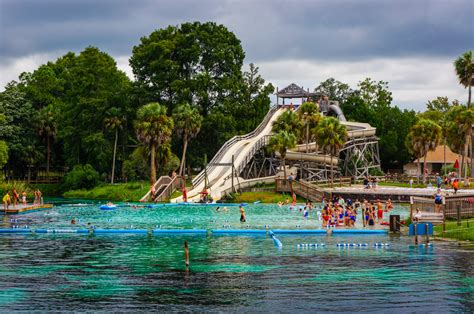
[228,272]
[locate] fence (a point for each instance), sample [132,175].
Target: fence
[454,207]
[37,175]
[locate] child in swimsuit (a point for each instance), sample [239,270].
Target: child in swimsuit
[23,197]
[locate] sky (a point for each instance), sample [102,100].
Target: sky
[410,44]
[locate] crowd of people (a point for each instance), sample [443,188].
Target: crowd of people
[13,198]
[370,183]
[341,212]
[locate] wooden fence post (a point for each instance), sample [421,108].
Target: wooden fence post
[458,214]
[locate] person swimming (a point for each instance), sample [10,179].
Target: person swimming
[242,214]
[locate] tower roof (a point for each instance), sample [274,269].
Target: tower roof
[293,91]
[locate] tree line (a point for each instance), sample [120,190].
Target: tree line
[404,135]
[190,94]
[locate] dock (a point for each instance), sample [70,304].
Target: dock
[396,194]
[21,209]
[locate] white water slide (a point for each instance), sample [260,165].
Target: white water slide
[243,148]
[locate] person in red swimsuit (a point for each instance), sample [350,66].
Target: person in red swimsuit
[379,211]
[325,217]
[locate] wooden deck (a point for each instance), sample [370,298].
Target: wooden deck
[396,194]
[19,209]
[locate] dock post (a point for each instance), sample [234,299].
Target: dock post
[186,254]
[427,234]
[416,233]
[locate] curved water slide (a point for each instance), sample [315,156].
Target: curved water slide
[244,147]
[240,147]
[354,130]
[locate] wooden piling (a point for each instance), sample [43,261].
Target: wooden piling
[186,254]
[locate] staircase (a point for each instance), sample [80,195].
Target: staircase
[302,188]
[166,190]
[163,180]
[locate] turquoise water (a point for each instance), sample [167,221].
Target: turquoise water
[58,272]
[174,217]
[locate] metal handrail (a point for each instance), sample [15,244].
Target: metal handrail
[218,156]
[169,189]
[156,184]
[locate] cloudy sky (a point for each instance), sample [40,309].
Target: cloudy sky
[411,44]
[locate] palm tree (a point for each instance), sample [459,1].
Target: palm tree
[114,121]
[46,126]
[309,115]
[153,127]
[188,123]
[464,66]
[462,119]
[288,121]
[281,142]
[424,136]
[438,112]
[331,136]
[455,141]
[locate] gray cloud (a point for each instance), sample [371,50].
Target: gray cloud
[269,30]
[411,44]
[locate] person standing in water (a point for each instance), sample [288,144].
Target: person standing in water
[242,213]
[6,201]
[379,211]
[16,198]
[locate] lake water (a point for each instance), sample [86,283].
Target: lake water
[58,272]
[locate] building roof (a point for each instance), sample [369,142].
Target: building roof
[437,156]
[293,91]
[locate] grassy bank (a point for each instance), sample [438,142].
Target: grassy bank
[264,197]
[123,192]
[463,232]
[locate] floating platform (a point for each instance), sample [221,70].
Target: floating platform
[21,209]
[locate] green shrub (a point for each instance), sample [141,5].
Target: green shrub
[136,166]
[81,177]
[376,172]
[18,185]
